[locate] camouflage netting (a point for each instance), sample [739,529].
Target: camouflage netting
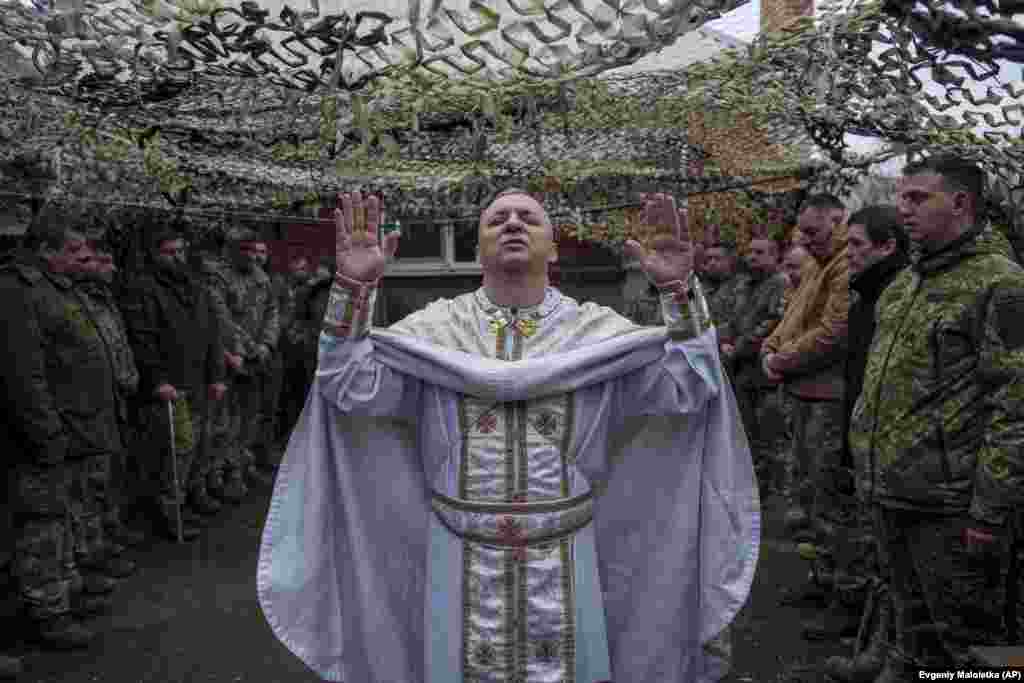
[227,109]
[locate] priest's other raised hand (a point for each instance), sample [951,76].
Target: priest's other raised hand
[667,257]
[361,254]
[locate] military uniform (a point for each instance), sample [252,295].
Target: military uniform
[253,320]
[62,426]
[285,291]
[721,299]
[756,312]
[937,437]
[302,336]
[99,301]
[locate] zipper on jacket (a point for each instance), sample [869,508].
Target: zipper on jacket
[936,338]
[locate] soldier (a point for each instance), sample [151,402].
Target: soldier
[177,340]
[292,399]
[244,290]
[792,267]
[807,353]
[61,412]
[757,311]
[723,281]
[937,428]
[878,251]
[99,301]
[286,286]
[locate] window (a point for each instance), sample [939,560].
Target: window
[436,247]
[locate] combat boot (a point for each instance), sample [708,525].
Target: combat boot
[89,606]
[10,667]
[203,503]
[257,477]
[128,537]
[235,489]
[215,485]
[865,666]
[64,633]
[97,584]
[837,621]
[119,568]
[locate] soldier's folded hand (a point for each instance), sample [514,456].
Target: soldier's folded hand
[980,538]
[165,392]
[233,361]
[217,391]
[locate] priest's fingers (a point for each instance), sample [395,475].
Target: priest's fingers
[346,211]
[373,216]
[683,226]
[358,215]
[667,215]
[391,244]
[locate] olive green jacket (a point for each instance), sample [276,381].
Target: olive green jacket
[939,425]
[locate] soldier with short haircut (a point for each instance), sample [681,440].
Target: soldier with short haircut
[937,430]
[723,280]
[177,341]
[244,290]
[807,354]
[61,427]
[757,310]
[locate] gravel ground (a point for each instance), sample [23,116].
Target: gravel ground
[190,616]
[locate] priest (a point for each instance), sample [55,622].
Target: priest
[511,486]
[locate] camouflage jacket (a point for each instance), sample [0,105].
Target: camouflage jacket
[286,292]
[99,302]
[757,310]
[722,302]
[175,332]
[59,383]
[939,425]
[251,308]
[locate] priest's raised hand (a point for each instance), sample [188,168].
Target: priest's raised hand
[667,255]
[361,254]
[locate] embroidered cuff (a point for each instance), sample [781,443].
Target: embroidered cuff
[350,308]
[684,309]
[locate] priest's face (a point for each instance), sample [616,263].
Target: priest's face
[516,236]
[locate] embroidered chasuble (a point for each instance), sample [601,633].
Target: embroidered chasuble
[482,494]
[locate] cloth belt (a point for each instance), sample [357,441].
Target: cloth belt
[514,525]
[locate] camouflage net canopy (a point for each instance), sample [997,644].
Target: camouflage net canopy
[214,107]
[128,53]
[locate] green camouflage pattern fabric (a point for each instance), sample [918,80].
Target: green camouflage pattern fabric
[722,300]
[938,423]
[755,311]
[252,307]
[88,490]
[100,304]
[945,599]
[43,544]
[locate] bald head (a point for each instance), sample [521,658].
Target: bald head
[512,217]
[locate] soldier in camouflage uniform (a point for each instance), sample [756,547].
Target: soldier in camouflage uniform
[807,352]
[176,336]
[757,310]
[937,430]
[877,252]
[99,302]
[244,290]
[723,281]
[286,287]
[291,289]
[61,423]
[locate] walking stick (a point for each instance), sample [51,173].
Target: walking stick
[174,473]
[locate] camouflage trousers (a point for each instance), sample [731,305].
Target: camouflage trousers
[945,599]
[87,494]
[189,421]
[820,486]
[237,424]
[273,387]
[43,564]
